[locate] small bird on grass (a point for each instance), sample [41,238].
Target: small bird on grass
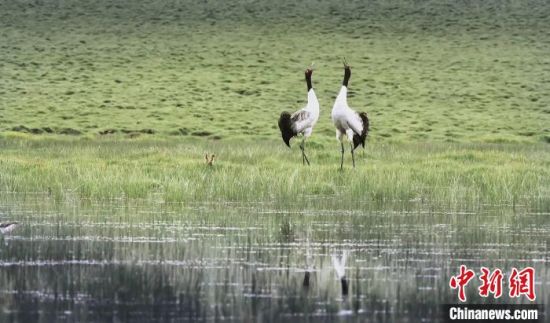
[209,160]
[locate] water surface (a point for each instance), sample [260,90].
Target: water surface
[148,260]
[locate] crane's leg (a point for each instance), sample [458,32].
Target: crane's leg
[342,160]
[302,147]
[352,155]
[303,155]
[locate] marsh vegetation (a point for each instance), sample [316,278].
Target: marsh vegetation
[458,176]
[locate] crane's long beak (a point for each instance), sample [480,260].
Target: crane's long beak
[345,62]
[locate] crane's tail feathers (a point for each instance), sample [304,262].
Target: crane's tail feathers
[360,139]
[285,124]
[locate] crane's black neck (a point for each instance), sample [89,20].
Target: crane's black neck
[306,280]
[308,81]
[347,75]
[345,286]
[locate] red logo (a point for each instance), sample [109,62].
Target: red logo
[492,282]
[520,282]
[460,281]
[523,283]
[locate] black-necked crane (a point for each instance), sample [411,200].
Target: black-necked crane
[303,120]
[340,269]
[8,227]
[349,124]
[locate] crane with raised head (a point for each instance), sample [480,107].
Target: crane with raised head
[302,121]
[349,124]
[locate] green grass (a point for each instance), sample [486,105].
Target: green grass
[458,176]
[108,100]
[424,70]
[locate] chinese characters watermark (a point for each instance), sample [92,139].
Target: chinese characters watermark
[520,282]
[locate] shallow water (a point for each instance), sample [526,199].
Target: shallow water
[146,261]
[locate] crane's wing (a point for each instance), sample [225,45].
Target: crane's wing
[285,124]
[354,122]
[300,120]
[360,126]
[300,115]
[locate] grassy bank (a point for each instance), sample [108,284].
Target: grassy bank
[424,70]
[443,175]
